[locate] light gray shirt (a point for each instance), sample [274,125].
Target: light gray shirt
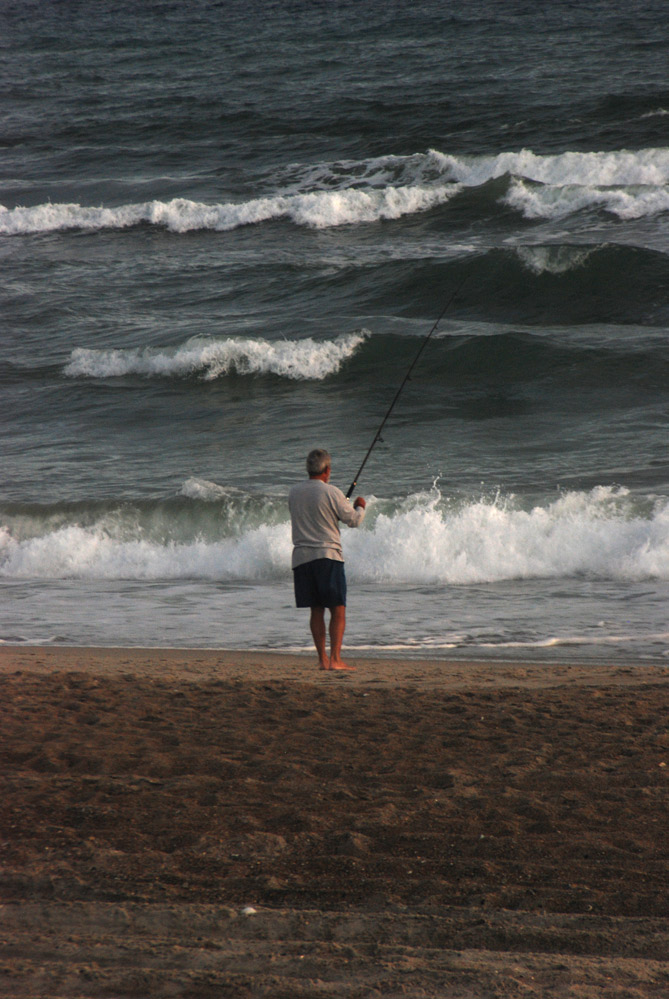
[316,508]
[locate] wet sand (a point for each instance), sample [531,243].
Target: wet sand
[414,828]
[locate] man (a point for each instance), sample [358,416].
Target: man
[316,507]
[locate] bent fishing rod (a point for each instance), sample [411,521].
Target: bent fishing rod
[407,377]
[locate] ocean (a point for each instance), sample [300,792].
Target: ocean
[225,231]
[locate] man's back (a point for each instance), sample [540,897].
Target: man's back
[316,507]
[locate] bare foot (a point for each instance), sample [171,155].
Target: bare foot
[342,666]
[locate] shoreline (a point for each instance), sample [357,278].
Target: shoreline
[245,664]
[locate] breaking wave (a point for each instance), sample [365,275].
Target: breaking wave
[427,538]
[467,359]
[207,358]
[628,184]
[318,209]
[555,202]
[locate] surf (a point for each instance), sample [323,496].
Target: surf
[426,538]
[629,184]
[209,358]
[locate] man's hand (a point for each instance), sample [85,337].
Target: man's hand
[359,501]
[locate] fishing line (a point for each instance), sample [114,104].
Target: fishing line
[377,435]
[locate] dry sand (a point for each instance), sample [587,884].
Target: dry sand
[413,829]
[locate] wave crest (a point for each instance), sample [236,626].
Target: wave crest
[425,539]
[603,533]
[317,209]
[621,167]
[556,202]
[209,359]
[324,195]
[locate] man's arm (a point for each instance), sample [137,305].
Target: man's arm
[351,514]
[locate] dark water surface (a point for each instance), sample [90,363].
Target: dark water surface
[224,230]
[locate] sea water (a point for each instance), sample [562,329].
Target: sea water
[226,230]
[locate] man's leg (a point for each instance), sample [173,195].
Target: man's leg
[317,625]
[337,627]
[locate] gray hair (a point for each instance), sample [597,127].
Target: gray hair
[318,460]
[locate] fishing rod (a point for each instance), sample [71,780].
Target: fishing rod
[407,377]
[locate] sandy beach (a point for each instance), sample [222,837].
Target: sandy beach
[208,824]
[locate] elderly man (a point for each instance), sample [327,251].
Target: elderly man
[316,508]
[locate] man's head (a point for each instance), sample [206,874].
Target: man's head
[318,462]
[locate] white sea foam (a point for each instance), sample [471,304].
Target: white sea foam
[627,183]
[203,489]
[645,167]
[659,113]
[553,259]
[594,533]
[317,209]
[572,640]
[424,540]
[556,202]
[209,358]
[92,553]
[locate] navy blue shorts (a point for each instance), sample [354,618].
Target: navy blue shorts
[320,583]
